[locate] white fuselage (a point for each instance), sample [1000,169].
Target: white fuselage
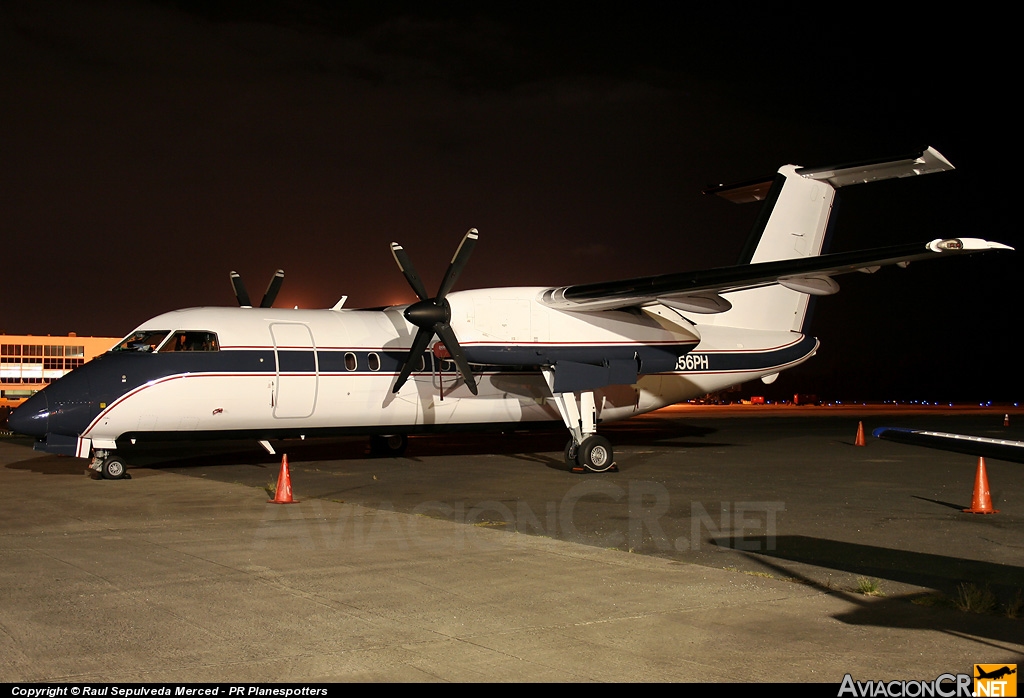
[282,371]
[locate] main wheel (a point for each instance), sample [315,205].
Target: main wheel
[393,445]
[114,468]
[596,454]
[571,453]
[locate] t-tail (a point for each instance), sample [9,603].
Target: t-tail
[794,223]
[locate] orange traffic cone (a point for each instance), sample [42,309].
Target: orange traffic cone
[283,495]
[860,435]
[981,503]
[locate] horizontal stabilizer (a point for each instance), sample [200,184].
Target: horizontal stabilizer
[926,161]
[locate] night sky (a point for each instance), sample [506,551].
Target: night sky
[148,148]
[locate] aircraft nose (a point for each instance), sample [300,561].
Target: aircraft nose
[32,417]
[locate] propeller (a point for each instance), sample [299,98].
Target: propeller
[433,315]
[268,298]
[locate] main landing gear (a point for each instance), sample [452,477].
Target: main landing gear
[109,466]
[586,451]
[594,455]
[388,445]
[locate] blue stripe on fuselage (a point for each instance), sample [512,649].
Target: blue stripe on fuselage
[78,397]
[113,374]
[699,361]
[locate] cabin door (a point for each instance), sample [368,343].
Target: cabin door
[298,372]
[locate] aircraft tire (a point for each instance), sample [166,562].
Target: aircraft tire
[114,468]
[596,454]
[392,445]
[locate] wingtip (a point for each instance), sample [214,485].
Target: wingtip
[965,244]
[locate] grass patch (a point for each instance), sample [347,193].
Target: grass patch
[869,587]
[972,598]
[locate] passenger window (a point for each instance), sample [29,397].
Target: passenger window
[373,361]
[350,361]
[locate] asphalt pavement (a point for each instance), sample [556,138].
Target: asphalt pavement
[730,546]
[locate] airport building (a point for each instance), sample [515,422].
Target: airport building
[30,362]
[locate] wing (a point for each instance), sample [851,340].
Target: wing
[999,449]
[700,291]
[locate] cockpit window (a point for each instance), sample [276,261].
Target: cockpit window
[191,340]
[143,340]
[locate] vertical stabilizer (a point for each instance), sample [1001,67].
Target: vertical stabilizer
[793,223]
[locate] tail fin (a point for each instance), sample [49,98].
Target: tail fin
[794,223]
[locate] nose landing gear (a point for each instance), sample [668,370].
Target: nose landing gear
[109,466]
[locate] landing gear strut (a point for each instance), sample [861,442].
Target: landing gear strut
[586,451]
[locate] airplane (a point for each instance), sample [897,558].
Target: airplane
[995,673]
[503,358]
[1000,449]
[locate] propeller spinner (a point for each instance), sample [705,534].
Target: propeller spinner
[433,315]
[268,298]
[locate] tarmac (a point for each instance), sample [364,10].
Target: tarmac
[729,547]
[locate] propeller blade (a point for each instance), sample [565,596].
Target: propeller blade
[240,293]
[272,288]
[419,345]
[458,262]
[433,315]
[405,265]
[447,335]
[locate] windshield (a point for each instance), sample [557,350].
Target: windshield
[143,340]
[191,340]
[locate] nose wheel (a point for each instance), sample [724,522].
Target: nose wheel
[114,468]
[110,467]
